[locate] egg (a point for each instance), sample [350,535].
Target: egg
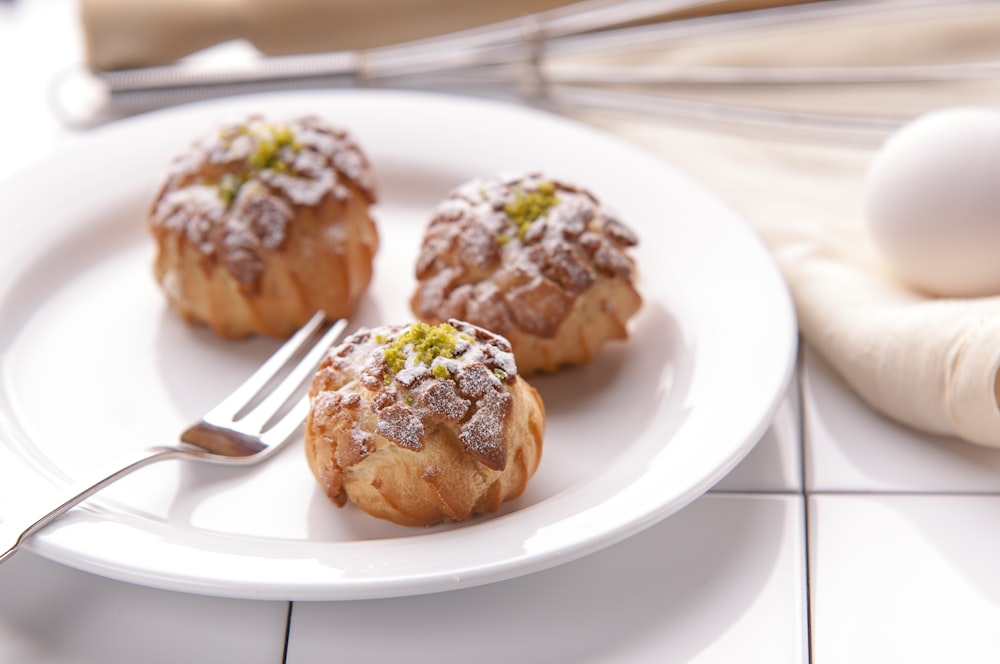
[932,202]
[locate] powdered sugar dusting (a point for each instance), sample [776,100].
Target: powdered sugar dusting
[486,426]
[480,263]
[469,390]
[400,423]
[233,193]
[193,212]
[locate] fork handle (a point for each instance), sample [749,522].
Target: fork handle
[17,526]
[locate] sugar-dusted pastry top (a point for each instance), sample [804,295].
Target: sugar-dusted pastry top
[233,192]
[515,252]
[420,375]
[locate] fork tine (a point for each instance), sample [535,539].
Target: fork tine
[264,414]
[243,396]
[282,428]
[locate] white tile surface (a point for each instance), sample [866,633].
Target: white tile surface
[51,614]
[849,447]
[905,579]
[721,581]
[775,464]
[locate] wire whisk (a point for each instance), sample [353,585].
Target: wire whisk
[536,60]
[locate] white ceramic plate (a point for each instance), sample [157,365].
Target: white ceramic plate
[93,363]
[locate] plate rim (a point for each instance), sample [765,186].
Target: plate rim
[53,545]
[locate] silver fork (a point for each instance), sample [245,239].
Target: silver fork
[247,427]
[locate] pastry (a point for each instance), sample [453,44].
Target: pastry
[536,260]
[423,424]
[260,224]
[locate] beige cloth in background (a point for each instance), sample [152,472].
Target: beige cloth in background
[140,33]
[928,363]
[120,34]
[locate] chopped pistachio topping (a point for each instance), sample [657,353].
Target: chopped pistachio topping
[425,343]
[267,156]
[528,206]
[228,185]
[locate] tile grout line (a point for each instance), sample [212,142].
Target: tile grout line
[288,631]
[808,574]
[754,492]
[806,522]
[906,493]
[852,492]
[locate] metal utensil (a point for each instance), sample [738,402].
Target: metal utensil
[248,426]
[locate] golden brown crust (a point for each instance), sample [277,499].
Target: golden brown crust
[417,449]
[260,224]
[536,260]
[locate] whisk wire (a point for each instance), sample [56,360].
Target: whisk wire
[526,59]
